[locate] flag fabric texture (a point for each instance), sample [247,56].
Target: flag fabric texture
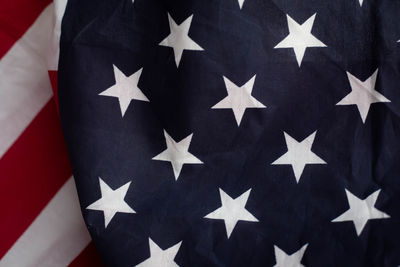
[235,133]
[40,223]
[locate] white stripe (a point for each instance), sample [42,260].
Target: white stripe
[24,81]
[56,236]
[54,49]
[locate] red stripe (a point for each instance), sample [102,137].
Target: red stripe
[16,16]
[31,172]
[89,257]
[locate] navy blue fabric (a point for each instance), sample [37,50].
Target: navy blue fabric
[237,44]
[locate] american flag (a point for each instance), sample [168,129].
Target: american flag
[219,133]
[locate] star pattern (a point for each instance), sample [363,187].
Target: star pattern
[293,260]
[179,39]
[363,94]
[232,211]
[361,211]
[111,201]
[177,153]
[160,257]
[299,154]
[125,89]
[300,37]
[239,99]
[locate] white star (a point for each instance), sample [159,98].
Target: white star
[111,201]
[363,94]
[232,211]
[125,89]
[300,37]
[361,211]
[292,260]
[179,39]
[239,98]
[160,257]
[241,3]
[299,154]
[177,153]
